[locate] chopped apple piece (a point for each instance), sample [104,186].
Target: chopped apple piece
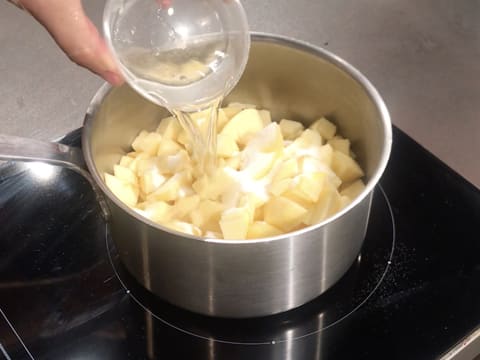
[279,187]
[262,229]
[224,116]
[308,144]
[125,174]
[325,154]
[340,144]
[126,160]
[184,139]
[177,162]
[252,201]
[202,188]
[238,187]
[322,153]
[344,201]
[168,147]
[234,162]
[151,181]
[213,186]
[146,165]
[284,213]
[169,190]
[183,227]
[138,140]
[227,113]
[291,129]
[226,145]
[157,211]
[259,165]
[243,125]
[207,215]
[310,164]
[213,235]
[290,194]
[147,143]
[286,169]
[135,162]
[308,186]
[352,190]
[325,128]
[266,117]
[231,111]
[259,214]
[126,192]
[133,154]
[309,138]
[185,205]
[185,190]
[169,128]
[234,223]
[345,167]
[328,204]
[269,139]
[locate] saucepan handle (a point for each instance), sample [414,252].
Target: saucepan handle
[23,149]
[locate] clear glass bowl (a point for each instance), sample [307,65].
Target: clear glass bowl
[181,54]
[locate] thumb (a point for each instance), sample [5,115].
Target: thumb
[78,37]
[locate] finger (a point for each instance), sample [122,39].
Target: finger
[16,3]
[164,4]
[66,21]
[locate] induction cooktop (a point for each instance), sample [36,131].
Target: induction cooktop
[412,293]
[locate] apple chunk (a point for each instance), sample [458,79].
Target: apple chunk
[291,129]
[243,125]
[346,168]
[125,191]
[284,213]
[125,174]
[169,128]
[234,223]
[262,229]
[352,190]
[325,128]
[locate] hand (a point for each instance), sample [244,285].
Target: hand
[73,31]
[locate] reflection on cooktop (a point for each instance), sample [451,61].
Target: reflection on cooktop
[349,294]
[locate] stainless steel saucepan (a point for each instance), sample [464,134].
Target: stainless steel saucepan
[243,278]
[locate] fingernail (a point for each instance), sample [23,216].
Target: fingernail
[113,78]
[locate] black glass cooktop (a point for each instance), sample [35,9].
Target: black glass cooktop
[413,293]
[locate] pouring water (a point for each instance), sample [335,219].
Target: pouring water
[185,55]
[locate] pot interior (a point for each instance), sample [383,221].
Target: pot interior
[292,80]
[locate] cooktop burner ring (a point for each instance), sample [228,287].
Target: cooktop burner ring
[121,273]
